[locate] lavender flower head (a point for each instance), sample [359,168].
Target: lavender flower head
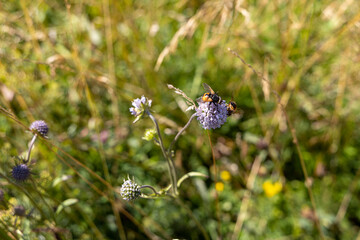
[139,106]
[40,126]
[19,210]
[21,172]
[211,115]
[130,190]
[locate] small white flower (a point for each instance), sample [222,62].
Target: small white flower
[130,190]
[139,106]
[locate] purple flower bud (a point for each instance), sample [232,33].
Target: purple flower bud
[40,126]
[21,172]
[211,115]
[19,211]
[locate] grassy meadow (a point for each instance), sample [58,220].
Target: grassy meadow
[285,165]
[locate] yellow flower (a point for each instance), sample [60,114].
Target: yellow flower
[271,189]
[225,175]
[219,186]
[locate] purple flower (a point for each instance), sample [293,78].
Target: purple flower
[211,115]
[40,126]
[19,210]
[139,106]
[21,172]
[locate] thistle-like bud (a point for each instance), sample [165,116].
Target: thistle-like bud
[130,190]
[19,211]
[211,115]
[21,172]
[139,106]
[40,126]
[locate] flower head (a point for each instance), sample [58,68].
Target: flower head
[21,172]
[139,106]
[271,189]
[219,186]
[130,190]
[19,210]
[225,175]
[211,115]
[40,126]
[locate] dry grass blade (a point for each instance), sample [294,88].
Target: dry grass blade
[245,201]
[295,141]
[208,14]
[181,93]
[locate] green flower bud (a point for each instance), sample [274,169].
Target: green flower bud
[149,134]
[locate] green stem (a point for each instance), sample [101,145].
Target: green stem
[188,175]
[171,166]
[30,148]
[303,167]
[51,211]
[180,132]
[191,214]
[148,186]
[18,186]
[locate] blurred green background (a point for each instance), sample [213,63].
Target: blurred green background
[79,64]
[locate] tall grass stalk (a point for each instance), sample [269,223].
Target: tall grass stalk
[295,141]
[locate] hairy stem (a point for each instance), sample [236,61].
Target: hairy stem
[180,132]
[148,186]
[30,148]
[171,166]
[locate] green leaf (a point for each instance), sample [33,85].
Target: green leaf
[60,179]
[189,175]
[66,203]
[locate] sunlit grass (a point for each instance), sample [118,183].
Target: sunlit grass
[78,66]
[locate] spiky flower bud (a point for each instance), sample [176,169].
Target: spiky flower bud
[40,126]
[21,172]
[211,115]
[139,106]
[19,211]
[130,190]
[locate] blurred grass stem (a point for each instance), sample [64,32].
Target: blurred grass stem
[303,167]
[295,141]
[6,227]
[217,207]
[246,199]
[346,200]
[22,189]
[35,189]
[190,213]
